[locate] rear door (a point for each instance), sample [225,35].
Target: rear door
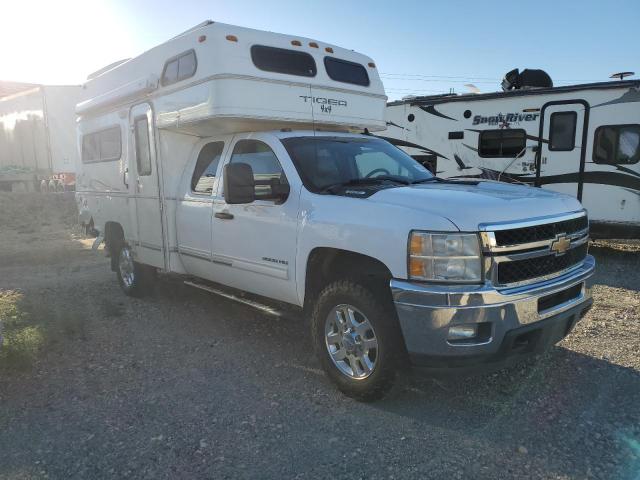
[561,147]
[144,175]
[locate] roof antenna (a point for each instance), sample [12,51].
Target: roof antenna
[366,131]
[621,75]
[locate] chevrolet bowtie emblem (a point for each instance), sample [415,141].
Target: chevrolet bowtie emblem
[560,244]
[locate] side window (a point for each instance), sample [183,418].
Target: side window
[204,174]
[506,143]
[265,165]
[375,164]
[179,68]
[562,131]
[617,144]
[102,146]
[282,60]
[143,153]
[346,71]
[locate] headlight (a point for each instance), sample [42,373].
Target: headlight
[444,257]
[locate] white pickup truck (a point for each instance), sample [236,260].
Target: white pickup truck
[392,265]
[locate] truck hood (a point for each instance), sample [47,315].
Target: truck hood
[467,206]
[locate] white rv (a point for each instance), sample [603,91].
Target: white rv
[236,158]
[583,140]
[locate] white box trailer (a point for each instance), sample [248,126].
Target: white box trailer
[37,139]
[582,140]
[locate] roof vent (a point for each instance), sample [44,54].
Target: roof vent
[528,78]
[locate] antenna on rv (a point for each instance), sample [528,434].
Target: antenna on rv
[621,75]
[472,88]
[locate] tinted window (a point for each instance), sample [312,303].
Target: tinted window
[617,144]
[204,174]
[374,163]
[325,161]
[345,71]
[143,154]
[102,146]
[179,68]
[282,60]
[562,133]
[502,143]
[265,164]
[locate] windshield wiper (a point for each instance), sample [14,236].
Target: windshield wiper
[366,181]
[425,180]
[446,180]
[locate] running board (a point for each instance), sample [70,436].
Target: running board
[269,310]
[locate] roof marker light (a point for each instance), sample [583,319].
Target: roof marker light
[372,65]
[296,43]
[313,44]
[328,50]
[232,38]
[202,38]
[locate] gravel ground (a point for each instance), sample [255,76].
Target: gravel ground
[183,384]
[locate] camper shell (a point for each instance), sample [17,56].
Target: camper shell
[571,139]
[209,81]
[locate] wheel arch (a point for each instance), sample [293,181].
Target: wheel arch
[327,264]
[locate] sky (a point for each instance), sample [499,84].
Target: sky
[420,47]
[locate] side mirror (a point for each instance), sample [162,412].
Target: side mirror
[239,185]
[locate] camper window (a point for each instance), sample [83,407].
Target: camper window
[562,131]
[282,60]
[143,154]
[179,68]
[266,167]
[346,72]
[204,175]
[617,144]
[102,146]
[507,143]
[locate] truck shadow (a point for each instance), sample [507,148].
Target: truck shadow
[583,408]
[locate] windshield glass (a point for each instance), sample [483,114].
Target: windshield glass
[323,162]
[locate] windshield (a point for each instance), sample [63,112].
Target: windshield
[323,162]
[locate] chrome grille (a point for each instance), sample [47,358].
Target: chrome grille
[537,233]
[528,268]
[527,252]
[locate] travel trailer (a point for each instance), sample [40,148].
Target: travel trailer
[237,158]
[37,139]
[582,140]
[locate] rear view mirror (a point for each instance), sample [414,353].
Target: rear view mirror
[239,185]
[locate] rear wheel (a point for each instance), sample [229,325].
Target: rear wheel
[357,339]
[134,278]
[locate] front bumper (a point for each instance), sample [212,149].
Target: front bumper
[511,321]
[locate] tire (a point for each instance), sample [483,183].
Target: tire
[135,279]
[374,344]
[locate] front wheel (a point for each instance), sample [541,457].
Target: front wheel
[134,278]
[357,339]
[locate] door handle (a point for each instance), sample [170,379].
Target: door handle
[224,216]
[125,178]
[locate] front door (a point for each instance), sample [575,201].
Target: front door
[254,245]
[146,187]
[561,149]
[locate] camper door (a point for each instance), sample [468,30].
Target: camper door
[143,173]
[561,146]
